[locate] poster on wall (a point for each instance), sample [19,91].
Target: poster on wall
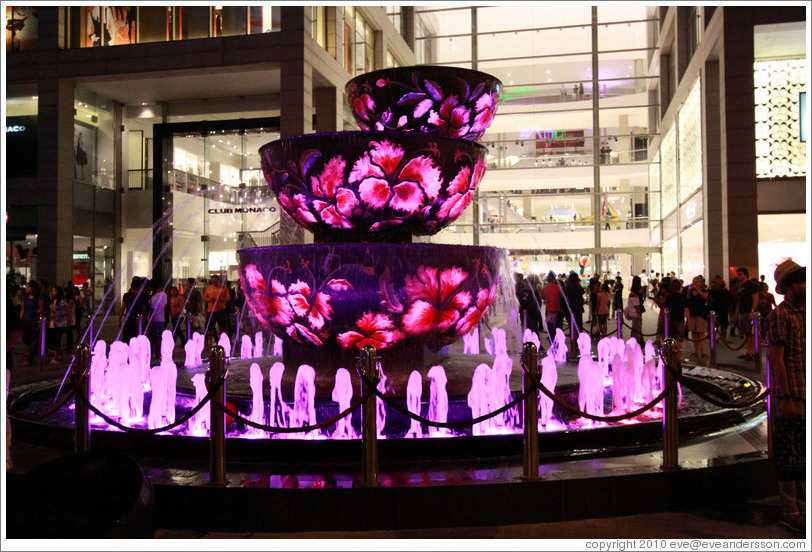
[22,28]
[97,34]
[84,152]
[120,24]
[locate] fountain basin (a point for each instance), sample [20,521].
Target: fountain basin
[391,296]
[362,186]
[444,101]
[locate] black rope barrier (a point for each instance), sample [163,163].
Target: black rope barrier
[176,423]
[50,410]
[303,429]
[593,417]
[450,425]
[655,334]
[726,344]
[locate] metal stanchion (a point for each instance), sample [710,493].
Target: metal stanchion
[770,429]
[712,338]
[619,316]
[573,354]
[43,322]
[236,331]
[756,321]
[369,442]
[81,416]
[670,425]
[531,405]
[188,327]
[665,324]
[90,330]
[140,324]
[217,437]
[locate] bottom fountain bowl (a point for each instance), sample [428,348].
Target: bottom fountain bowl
[391,296]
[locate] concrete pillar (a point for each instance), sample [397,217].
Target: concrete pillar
[715,195]
[329,104]
[626,142]
[296,96]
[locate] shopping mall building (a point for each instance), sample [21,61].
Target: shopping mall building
[657,138]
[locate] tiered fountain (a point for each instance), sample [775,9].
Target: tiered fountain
[411,171]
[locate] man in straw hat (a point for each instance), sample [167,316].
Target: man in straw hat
[786,340]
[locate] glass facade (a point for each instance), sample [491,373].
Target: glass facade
[554,177]
[22,28]
[95,26]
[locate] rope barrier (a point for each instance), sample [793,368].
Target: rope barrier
[740,347]
[50,410]
[141,431]
[450,425]
[303,429]
[655,334]
[617,418]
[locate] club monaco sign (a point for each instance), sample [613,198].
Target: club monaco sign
[241,210]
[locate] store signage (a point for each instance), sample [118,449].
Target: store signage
[240,210]
[15,128]
[81,257]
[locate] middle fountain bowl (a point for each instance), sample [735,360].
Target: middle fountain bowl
[391,296]
[373,185]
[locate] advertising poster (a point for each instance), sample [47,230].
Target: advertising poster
[22,28]
[84,152]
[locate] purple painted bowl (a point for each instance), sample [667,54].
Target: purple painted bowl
[431,99]
[387,295]
[367,186]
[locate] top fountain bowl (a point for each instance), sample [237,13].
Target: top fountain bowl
[370,185]
[431,99]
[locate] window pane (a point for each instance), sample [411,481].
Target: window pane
[234,20]
[153,24]
[22,29]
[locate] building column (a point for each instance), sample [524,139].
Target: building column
[329,108]
[738,139]
[55,166]
[296,97]
[715,196]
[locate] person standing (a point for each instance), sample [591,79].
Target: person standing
[643,287]
[33,307]
[552,299]
[635,309]
[194,306]
[719,299]
[87,295]
[677,306]
[132,304]
[786,353]
[176,310]
[58,323]
[746,304]
[574,292]
[698,317]
[158,305]
[14,332]
[617,295]
[216,297]
[766,304]
[602,308]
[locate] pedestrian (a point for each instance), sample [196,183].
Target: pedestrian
[14,332]
[70,299]
[552,300]
[581,90]
[158,306]
[617,295]
[786,352]
[643,287]
[133,304]
[176,311]
[33,307]
[602,308]
[216,297]
[87,295]
[574,293]
[635,309]
[58,322]
[766,303]
[698,317]
[677,305]
[719,300]
[746,305]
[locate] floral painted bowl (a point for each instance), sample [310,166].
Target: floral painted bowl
[370,186]
[386,295]
[431,99]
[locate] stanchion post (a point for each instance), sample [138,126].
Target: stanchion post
[369,420]
[81,416]
[756,321]
[665,324]
[670,425]
[236,330]
[188,327]
[573,354]
[140,324]
[712,337]
[619,316]
[43,322]
[90,330]
[217,436]
[531,405]
[770,428]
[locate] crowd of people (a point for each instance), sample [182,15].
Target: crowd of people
[65,311]
[551,303]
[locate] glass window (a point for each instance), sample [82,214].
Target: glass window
[690,144]
[231,20]
[153,24]
[22,28]
[21,135]
[654,188]
[93,148]
[192,22]
[668,171]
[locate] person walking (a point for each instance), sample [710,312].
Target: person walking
[746,304]
[602,308]
[58,322]
[677,305]
[643,287]
[176,311]
[766,304]
[719,300]
[552,300]
[635,307]
[574,293]
[786,353]
[216,297]
[158,305]
[194,306]
[617,295]
[698,317]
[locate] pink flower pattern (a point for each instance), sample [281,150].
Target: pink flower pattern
[374,329]
[438,301]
